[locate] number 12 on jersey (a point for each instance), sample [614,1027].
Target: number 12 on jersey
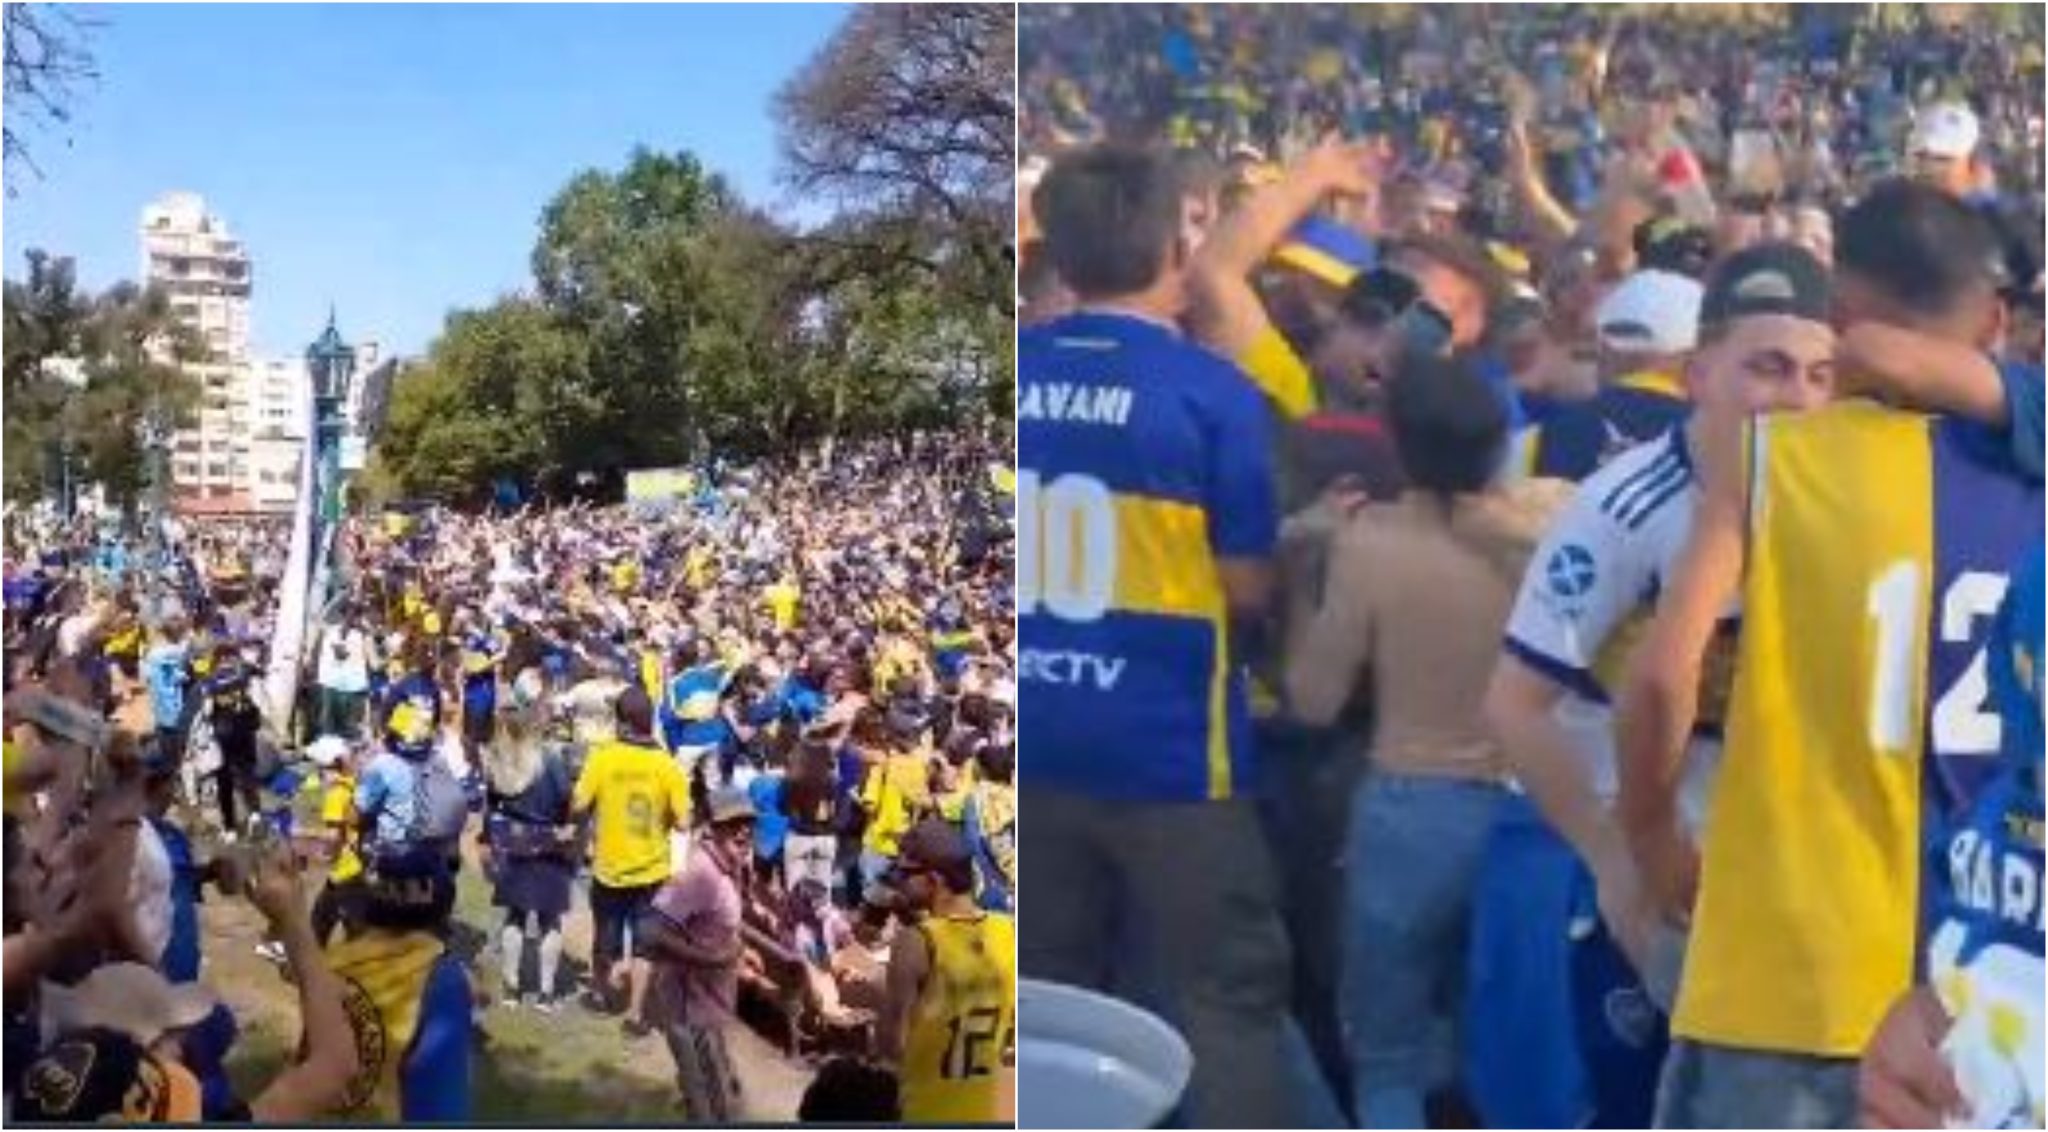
[1962,724]
[1066,546]
[971,1049]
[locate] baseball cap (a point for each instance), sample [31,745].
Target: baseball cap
[1946,129]
[939,846]
[101,1076]
[731,803]
[409,729]
[1769,278]
[327,750]
[1668,243]
[1327,250]
[1651,312]
[129,999]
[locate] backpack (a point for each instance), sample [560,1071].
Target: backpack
[440,804]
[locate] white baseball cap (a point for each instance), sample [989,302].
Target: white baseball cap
[1946,129]
[1651,312]
[129,998]
[327,750]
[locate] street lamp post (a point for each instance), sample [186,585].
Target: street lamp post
[331,364]
[156,442]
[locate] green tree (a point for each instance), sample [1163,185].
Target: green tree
[907,117]
[667,315]
[687,305]
[126,356]
[483,404]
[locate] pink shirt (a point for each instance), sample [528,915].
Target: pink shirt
[703,903]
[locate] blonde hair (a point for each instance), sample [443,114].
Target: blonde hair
[512,760]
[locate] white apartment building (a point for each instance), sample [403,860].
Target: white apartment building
[254,417]
[369,355]
[277,398]
[194,257]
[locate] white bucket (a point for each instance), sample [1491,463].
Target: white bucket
[1085,1060]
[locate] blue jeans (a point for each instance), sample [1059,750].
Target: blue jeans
[1710,1086]
[1411,863]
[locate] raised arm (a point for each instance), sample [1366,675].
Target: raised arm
[1229,311]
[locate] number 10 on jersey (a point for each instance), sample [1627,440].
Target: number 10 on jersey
[1066,546]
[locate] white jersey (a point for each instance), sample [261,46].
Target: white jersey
[1590,591]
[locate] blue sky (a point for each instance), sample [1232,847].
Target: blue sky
[394,159]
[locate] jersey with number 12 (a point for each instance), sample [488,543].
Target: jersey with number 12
[1880,543]
[963,1028]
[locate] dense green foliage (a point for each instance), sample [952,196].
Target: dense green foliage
[669,319]
[125,357]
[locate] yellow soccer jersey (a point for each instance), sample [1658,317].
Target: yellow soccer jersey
[1878,549]
[639,794]
[963,1030]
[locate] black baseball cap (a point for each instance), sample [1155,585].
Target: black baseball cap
[939,847]
[1769,278]
[1668,243]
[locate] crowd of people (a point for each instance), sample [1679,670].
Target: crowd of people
[765,726]
[1530,550]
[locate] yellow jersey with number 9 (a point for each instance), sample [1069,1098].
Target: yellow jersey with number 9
[1879,544]
[639,794]
[963,1029]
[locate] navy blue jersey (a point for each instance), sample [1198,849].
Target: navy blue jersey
[1143,460]
[1575,440]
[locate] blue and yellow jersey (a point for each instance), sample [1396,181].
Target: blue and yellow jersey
[951,646]
[1879,545]
[383,979]
[1983,948]
[693,694]
[1280,374]
[481,652]
[1576,440]
[1143,459]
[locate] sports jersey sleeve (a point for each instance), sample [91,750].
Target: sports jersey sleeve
[1580,583]
[336,805]
[1244,518]
[371,790]
[435,1083]
[1278,372]
[2024,408]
